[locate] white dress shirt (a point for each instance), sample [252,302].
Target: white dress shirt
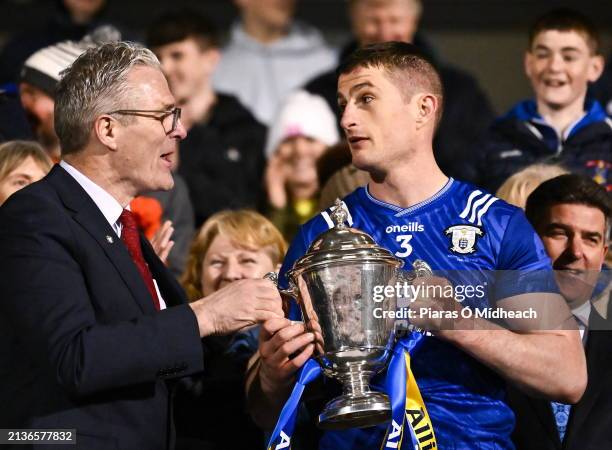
[582,314]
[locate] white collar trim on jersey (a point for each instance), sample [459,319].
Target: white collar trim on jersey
[402,211]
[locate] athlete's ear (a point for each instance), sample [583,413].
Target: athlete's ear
[427,105]
[106,128]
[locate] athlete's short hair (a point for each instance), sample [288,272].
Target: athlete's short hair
[408,68]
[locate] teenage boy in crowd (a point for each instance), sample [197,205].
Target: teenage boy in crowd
[222,157]
[391,98]
[572,214]
[560,124]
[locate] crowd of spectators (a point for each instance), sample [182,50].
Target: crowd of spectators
[264,134]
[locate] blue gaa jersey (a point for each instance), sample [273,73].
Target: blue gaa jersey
[461,228]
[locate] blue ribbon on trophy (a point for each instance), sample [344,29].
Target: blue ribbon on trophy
[397,386]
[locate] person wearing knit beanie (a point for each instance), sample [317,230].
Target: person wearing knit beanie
[38,78]
[303,114]
[40,74]
[303,129]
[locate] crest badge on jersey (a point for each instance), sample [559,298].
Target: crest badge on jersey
[463,238]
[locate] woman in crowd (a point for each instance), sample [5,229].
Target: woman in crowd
[209,409]
[302,131]
[21,163]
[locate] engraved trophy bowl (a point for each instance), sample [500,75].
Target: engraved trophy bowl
[334,284]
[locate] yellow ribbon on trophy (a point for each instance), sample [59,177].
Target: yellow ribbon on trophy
[416,412]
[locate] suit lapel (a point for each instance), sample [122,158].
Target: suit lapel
[87,214]
[599,364]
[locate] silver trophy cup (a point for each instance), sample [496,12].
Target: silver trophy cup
[335,284]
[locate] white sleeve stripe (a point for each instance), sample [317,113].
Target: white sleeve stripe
[330,222]
[349,218]
[485,208]
[477,204]
[471,198]
[325,215]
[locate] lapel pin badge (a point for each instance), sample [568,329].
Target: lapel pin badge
[109,239]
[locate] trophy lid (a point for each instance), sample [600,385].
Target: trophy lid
[343,244]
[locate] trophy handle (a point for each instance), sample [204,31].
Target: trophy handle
[292,291]
[420,270]
[273,277]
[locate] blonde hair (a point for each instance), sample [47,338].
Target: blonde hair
[13,153]
[245,228]
[517,187]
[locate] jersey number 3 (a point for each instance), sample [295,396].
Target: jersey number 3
[404,240]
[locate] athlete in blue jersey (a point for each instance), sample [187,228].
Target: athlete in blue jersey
[391,99]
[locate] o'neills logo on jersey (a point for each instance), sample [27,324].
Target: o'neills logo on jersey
[407,227]
[463,238]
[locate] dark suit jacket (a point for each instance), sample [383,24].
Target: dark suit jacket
[590,421]
[81,345]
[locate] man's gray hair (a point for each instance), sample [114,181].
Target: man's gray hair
[95,84]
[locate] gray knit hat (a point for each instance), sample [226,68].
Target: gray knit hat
[42,69]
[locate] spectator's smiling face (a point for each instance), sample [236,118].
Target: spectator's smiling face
[225,261]
[574,238]
[145,151]
[187,66]
[559,65]
[28,171]
[301,153]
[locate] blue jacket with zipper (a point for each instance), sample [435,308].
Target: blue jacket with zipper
[522,137]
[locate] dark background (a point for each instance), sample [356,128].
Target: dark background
[486,37]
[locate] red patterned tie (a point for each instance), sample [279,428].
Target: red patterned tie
[131,239]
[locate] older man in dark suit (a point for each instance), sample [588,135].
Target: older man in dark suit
[572,215]
[92,325]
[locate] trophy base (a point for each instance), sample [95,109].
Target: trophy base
[360,411]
